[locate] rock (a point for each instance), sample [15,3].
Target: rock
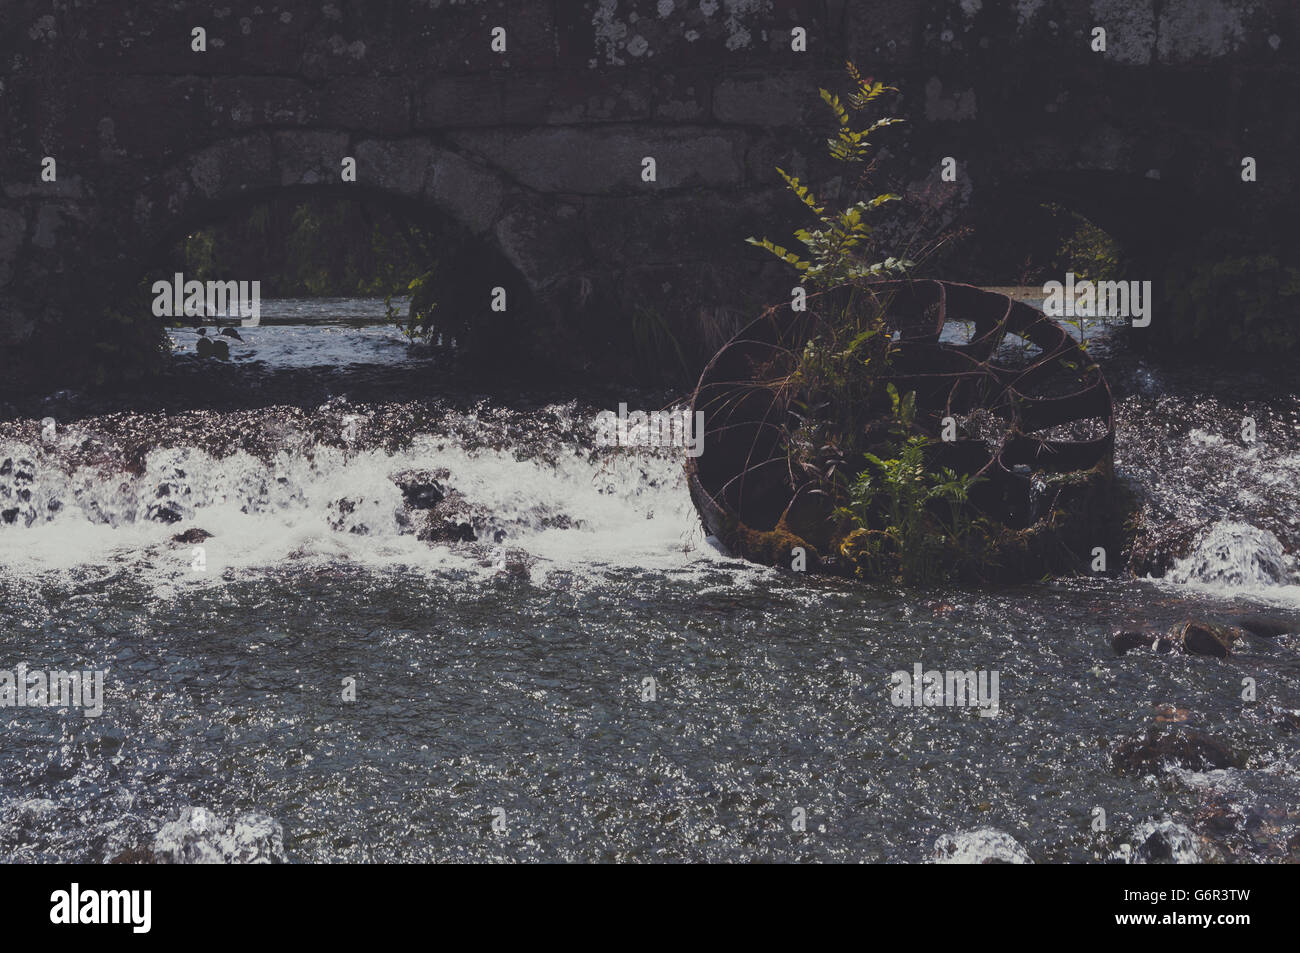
[422,496]
[422,489]
[1189,637]
[1265,626]
[1205,638]
[439,530]
[1287,722]
[342,515]
[132,855]
[1165,842]
[1170,743]
[198,836]
[1233,555]
[169,512]
[453,520]
[1124,642]
[983,846]
[207,347]
[1157,548]
[194,535]
[510,564]
[1171,714]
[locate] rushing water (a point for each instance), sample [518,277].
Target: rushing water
[502,709]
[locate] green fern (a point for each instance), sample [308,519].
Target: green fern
[838,250]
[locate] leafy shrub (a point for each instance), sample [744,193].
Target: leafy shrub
[1238,299]
[849,430]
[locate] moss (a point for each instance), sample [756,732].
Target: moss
[774,547]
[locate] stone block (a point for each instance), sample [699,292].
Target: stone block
[400,167]
[782,99]
[241,103]
[468,192]
[234,166]
[378,106]
[310,158]
[594,161]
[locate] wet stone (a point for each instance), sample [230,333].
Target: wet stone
[1176,745]
[422,495]
[1124,642]
[194,535]
[1204,638]
[168,512]
[984,846]
[1265,627]
[438,530]
[1166,842]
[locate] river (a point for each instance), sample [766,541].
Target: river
[590,679]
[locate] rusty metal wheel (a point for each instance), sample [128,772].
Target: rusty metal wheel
[1024,398]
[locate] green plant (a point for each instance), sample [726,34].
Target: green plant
[850,432]
[1087,250]
[655,344]
[841,250]
[833,385]
[418,322]
[910,521]
[1236,299]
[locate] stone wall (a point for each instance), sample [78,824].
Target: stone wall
[538,150]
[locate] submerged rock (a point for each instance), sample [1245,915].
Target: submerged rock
[1190,637]
[1235,554]
[1124,642]
[1166,842]
[421,494]
[169,512]
[983,846]
[1170,743]
[1265,627]
[199,836]
[194,535]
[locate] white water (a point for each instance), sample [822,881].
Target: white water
[1237,559]
[616,509]
[584,514]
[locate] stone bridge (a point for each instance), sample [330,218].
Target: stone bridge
[538,148]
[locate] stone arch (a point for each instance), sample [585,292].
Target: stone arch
[417,173]
[417,177]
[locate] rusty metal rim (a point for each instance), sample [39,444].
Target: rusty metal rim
[1016,318]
